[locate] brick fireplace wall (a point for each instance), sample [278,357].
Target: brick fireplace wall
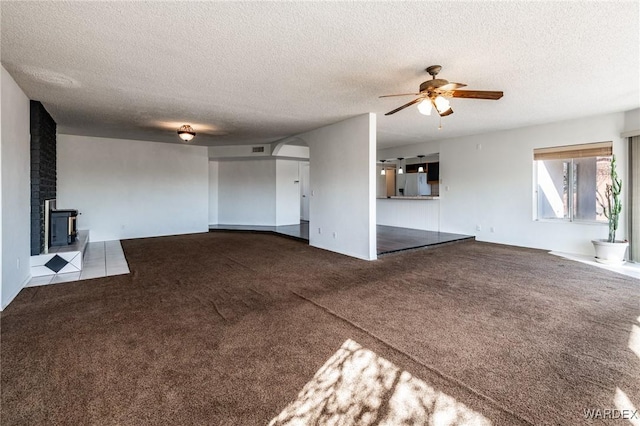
[43,171]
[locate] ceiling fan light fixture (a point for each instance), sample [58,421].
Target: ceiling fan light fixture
[441,104]
[424,107]
[435,90]
[186,132]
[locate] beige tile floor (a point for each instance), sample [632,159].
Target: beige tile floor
[629,269]
[100,259]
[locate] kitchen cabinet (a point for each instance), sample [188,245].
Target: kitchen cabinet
[433,172]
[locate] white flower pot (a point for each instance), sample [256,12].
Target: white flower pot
[610,253]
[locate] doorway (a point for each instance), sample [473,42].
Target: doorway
[304,191]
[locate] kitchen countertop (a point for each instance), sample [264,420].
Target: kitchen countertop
[417,197]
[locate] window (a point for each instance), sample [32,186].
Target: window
[571,180]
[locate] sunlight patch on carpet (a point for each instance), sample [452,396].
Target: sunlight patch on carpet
[634,340]
[626,407]
[357,387]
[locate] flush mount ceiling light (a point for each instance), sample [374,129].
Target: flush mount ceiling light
[186,132]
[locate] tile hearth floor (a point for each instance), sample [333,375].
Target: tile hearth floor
[100,259]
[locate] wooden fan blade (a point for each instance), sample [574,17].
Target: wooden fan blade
[400,94]
[415,101]
[450,86]
[477,94]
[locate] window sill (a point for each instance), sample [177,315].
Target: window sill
[416,197]
[577,222]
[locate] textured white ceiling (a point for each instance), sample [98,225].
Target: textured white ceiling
[249,72]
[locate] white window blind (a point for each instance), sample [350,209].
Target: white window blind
[597,149]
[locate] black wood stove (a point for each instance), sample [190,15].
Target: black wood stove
[63,227]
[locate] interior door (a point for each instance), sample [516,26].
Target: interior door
[391,182]
[304,191]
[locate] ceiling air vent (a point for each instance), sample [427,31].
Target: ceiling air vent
[257,149]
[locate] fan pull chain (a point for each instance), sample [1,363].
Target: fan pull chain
[440,126]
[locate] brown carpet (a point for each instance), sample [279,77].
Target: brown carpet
[233,329]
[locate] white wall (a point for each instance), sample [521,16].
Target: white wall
[239,151]
[294,151]
[490,182]
[632,123]
[342,166]
[2,72]
[15,179]
[133,189]
[247,192]
[263,192]
[287,192]
[213,192]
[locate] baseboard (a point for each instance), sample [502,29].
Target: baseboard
[23,285]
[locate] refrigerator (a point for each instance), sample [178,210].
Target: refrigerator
[416,184]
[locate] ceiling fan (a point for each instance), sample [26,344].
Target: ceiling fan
[435,92]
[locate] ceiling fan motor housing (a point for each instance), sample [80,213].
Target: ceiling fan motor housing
[429,85]
[434,70]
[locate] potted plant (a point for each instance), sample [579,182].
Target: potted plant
[610,250]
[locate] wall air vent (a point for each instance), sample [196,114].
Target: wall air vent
[257,149]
